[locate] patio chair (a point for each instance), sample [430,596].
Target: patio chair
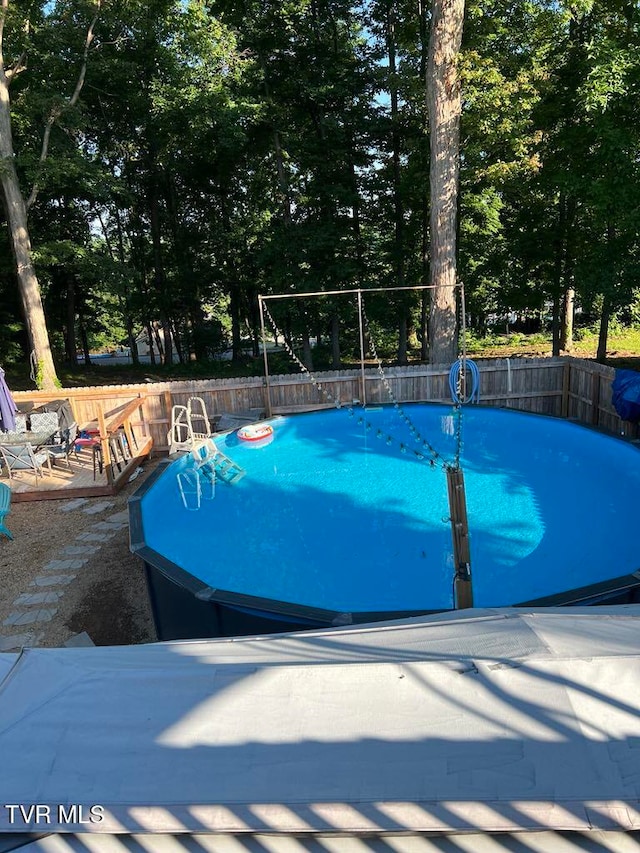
[63,448]
[92,441]
[21,427]
[5,507]
[21,423]
[21,457]
[45,422]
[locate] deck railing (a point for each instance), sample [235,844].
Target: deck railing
[120,445]
[115,418]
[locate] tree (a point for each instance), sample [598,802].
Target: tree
[589,154]
[16,213]
[445,107]
[15,205]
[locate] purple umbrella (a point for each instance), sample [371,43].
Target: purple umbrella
[8,407]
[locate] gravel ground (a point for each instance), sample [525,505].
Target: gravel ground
[105,597]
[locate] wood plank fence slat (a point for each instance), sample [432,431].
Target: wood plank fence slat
[575,388]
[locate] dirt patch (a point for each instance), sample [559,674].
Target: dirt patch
[107,598]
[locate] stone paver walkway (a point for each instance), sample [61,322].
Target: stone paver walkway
[37,605]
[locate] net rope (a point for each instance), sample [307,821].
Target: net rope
[424,453]
[415,432]
[324,391]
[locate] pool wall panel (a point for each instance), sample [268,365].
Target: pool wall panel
[180,614]
[177,613]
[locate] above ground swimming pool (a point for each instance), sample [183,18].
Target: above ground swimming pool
[337,520]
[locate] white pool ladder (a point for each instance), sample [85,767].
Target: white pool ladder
[197,411]
[182,436]
[211,462]
[190,489]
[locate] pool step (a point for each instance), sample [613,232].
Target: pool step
[212,463]
[228,470]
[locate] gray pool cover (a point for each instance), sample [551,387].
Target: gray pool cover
[488,721]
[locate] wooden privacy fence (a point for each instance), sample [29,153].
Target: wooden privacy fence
[588,393]
[563,387]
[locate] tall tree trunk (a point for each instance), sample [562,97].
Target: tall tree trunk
[335,341]
[604,329]
[424,337]
[131,337]
[288,333]
[398,213]
[16,214]
[557,275]
[424,200]
[84,340]
[307,354]
[70,335]
[159,278]
[566,333]
[555,323]
[196,317]
[607,302]
[254,318]
[128,320]
[403,335]
[150,335]
[355,206]
[444,105]
[175,334]
[236,329]
[398,207]
[123,298]
[568,299]
[282,179]
[157,340]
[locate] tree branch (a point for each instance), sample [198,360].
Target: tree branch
[56,112]
[18,67]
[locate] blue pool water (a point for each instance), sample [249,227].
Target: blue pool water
[329,515]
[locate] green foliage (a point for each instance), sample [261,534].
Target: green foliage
[224,149]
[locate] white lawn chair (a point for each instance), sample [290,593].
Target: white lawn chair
[21,457]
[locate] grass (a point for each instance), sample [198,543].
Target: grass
[18,377]
[623,345]
[623,351]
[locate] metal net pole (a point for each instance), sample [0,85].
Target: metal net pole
[266,359]
[364,391]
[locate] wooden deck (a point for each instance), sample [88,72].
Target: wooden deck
[74,482]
